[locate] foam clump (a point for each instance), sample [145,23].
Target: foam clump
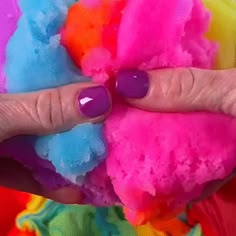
[151,163]
[175,35]
[84,140]
[167,159]
[44,63]
[164,160]
[107,44]
[33,67]
[9,16]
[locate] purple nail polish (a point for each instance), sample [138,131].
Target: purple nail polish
[132,83]
[94,101]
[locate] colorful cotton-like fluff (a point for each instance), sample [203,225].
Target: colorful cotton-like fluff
[36,216]
[151,163]
[47,62]
[163,159]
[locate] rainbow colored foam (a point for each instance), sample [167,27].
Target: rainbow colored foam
[150,163]
[35,216]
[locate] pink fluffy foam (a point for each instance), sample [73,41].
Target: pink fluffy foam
[167,156]
[155,157]
[7,25]
[156,35]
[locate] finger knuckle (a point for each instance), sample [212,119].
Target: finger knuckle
[181,83]
[49,109]
[227,94]
[186,82]
[4,121]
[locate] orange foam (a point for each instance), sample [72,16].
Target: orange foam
[91,27]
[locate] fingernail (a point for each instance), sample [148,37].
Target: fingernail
[132,83]
[94,101]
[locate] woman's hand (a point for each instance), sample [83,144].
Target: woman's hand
[180,90]
[56,110]
[46,112]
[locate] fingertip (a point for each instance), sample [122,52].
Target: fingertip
[132,84]
[94,103]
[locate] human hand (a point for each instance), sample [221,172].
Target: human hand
[180,90]
[52,111]
[46,112]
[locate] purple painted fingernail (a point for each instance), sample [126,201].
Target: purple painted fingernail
[132,83]
[94,101]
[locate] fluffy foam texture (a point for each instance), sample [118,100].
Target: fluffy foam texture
[164,160]
[99,188]
[98,27]
[23,152]
[60,148]
[169,158]
[44,63]
[169,44]
[44,217]
[111,46]
[9,14]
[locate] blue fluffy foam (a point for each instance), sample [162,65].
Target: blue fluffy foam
[36,60]
[74,153]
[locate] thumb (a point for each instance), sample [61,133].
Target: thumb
[179,90]
[52,110]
